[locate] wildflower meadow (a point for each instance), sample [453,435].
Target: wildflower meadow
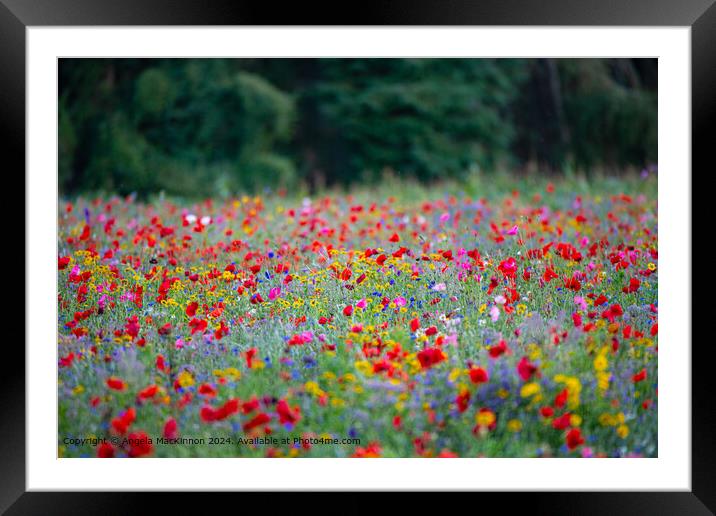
[499,317]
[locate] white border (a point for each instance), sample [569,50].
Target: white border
[670,471]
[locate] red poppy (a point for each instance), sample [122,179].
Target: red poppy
[148,392]
[256,421]
[116,384]
[209,414]
[287,414]
[574,438]
[526,369]
[561,398]
[508,267]
[414,325]
[633,286]
[371,451]
[66,361]
[171,430]
[463,400]
[191,308]
[105,451]
[207,390]
[132,326]
[250,354]
[122,422]
[348,310]
[639,377]
[562,422]
[197,325]
[573,284]
[430,356]
[600,300]
[249,406]
[478,375]
[612,312]
[221,331]
[546,411]
[161,364]
[549,275]
[499,349]
[140,444]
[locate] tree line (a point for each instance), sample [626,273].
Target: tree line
[200,127]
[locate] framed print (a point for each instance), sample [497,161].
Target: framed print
[452,232]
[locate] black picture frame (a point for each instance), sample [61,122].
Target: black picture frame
[17,15]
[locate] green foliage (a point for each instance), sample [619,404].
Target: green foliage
[427,118]
[615,124]
[212,127]
[169,128]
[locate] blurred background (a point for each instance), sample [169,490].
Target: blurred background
[215,127]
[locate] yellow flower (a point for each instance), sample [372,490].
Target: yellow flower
[514,425]
[623,431]
[529,389]
[535,353]
[185,379]
[607,419]
[485,418]
[603,380]
[600,363]
[313,388]
[454,375]
[364,367]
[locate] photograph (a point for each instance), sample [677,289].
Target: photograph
[354,257]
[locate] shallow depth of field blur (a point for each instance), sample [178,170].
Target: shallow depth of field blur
[357,258]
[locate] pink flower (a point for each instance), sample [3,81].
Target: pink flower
[579,301]
[400,301]
[361,304]
[513,230]
[274,293]
[494,313]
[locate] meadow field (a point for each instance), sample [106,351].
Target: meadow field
[496,317]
